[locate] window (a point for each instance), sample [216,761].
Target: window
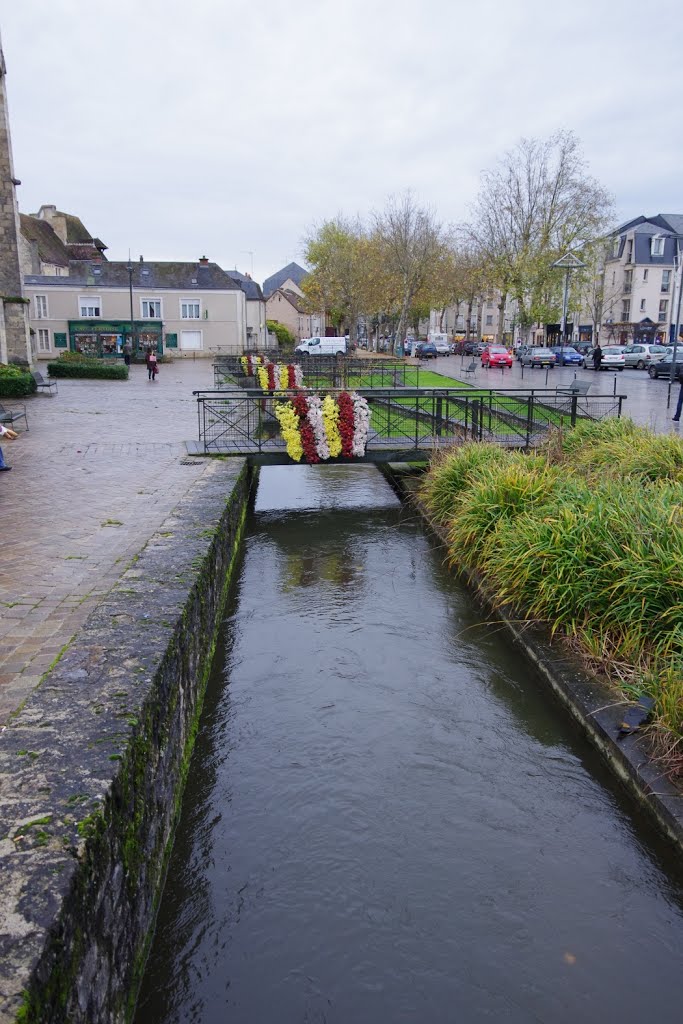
[666,280]
[40,302]
[645,275]
[489,321]
[89,307]
[658,245]
[615,248]
[628,280]
[663,309]
[625,310]
[43,340]
[489,304]
[189,309]
[642,305]
[151,309]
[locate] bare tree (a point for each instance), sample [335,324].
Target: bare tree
[410,241]
[533,206]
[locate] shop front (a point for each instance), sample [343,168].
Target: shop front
[102,338]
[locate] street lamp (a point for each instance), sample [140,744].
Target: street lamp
[568,262]
[129,268]
[678,272]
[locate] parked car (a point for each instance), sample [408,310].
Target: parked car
[662,367]
[641,356]
[441,342]
[426,350]
[522,350]
[473,348]
[538,357]
[567,355]
[496,355]
[612,358]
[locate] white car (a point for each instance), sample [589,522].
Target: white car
[613,358]
[441,345]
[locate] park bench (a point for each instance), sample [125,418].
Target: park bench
[472,368]
[12,415]
[44,385]
[577,387]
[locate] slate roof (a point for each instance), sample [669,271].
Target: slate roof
[189,277]
[251,289]
[50,248]
[673,221]
[292,272]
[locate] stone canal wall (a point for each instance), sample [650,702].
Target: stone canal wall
[92,769]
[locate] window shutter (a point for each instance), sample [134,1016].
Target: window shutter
[60,340]
[171,340]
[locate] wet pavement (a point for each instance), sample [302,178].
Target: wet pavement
[100,468]
[646,401]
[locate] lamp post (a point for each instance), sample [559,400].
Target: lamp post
[568,262]
[678,272]
[129,268]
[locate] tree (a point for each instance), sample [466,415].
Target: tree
[410,241]
[338,254]
[533,206]
[284,336]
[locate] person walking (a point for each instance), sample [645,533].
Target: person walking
[152,368]
[10,435]
[597,357]
[127,349]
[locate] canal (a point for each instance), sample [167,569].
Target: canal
[387,818]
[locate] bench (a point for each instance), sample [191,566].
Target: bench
[472,368]
[12,415]
[43,384]
[577,387]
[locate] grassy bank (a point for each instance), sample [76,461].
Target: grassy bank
[586,536]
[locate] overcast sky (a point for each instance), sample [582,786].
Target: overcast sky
[212,127]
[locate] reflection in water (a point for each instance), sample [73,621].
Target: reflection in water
[386,819]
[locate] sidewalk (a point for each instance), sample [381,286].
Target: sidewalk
[99,470]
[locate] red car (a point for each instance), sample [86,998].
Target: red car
[496,355]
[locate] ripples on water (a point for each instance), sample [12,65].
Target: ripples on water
[387,819]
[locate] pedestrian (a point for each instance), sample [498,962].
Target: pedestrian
[127,349]
[152,368]
[597,357]
[10,435]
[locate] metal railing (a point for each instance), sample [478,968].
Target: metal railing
[328,372]
[404,422]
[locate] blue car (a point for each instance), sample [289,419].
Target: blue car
[426,350]
[566,355]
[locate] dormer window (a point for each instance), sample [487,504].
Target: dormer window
[615,247]
[658,245]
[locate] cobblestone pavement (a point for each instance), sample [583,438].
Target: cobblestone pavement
[100,468]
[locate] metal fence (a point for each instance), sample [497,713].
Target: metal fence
[405,423]
[327,372]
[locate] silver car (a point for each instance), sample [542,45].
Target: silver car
[641,356]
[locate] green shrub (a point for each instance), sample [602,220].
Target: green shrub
[284,336]
[15,382]
[84,367]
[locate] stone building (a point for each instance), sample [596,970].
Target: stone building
[15,339]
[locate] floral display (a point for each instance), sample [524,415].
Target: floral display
[318,429]
[250,363]
[279,377]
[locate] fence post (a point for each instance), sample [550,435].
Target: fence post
[439,416]
[475,419]
[575,402]
[529,418]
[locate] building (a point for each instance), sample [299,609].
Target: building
[15,338]
[257,332]
[290,278]
[188,309]
[289,308]
[639,280]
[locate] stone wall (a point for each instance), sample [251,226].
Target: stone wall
[92,770]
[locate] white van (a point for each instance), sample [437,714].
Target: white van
[322,346]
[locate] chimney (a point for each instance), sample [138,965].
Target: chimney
[204,261]
[142,259]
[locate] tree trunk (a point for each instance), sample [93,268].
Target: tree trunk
[500,336]
[468,320]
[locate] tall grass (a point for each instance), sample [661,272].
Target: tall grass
[586,536]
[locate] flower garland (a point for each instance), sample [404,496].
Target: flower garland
[279,377]
[330,412]
[289,428]
[262,378]
[249,364]
[319,429]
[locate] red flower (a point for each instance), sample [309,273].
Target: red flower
[271,377]
[291,378]
[346,423]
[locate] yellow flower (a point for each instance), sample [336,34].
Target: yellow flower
[245,365]
[289,428]
[330,422]
[284,377]
[262,377]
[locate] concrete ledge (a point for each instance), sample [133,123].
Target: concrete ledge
[92,769]
[591,703]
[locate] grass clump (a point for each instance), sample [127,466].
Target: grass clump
[587,537]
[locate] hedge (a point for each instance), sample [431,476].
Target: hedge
[15,382]
[87,368]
